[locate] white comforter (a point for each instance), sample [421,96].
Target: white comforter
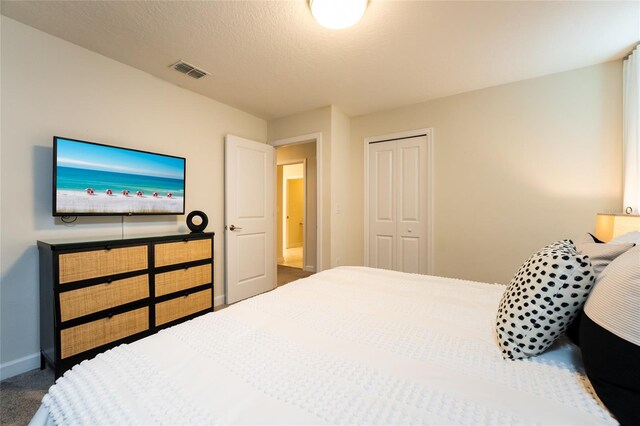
[350,345]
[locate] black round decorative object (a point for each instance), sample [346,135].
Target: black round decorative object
[200,227]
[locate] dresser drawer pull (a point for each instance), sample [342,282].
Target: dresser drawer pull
[107,248]
[110,315]
[186,267]
[109,280]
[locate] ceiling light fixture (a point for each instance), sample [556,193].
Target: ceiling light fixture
[337,14]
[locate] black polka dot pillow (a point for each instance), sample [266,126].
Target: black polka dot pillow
[542,299]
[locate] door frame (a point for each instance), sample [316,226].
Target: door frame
[302,161]
[295,140]
[428,132]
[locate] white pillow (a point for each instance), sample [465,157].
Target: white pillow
[542,299]
[631,237]
[601,255]
[614,303]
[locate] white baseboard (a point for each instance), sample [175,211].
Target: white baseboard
[218,300]
[19,366]
[309,268]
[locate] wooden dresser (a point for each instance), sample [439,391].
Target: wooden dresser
[95,295]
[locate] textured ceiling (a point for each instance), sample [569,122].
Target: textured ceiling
[270,58]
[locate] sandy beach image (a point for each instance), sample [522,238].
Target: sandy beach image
[81,201]
[100,179]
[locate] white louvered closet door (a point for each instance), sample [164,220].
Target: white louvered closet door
[398,204]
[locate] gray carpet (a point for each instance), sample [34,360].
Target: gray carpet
[286,274]
[20,396]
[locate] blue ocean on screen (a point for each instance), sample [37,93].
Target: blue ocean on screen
[76,179]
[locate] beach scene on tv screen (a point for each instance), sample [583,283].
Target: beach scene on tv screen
[95,179]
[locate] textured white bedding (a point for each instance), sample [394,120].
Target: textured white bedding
[345,346]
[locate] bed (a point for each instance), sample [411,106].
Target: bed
[350,345]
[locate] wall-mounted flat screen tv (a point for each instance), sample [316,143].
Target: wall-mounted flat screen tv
[95,179]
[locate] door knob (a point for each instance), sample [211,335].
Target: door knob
[233,227]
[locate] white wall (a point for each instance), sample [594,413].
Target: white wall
[340,169]
[316,121]
[516,167]
[334,126]
[51,87]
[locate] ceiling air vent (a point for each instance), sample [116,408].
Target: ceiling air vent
[188,69]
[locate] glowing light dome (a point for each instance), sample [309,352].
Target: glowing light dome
[337,14]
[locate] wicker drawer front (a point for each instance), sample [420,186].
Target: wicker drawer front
[84,301]
[182,306]
[87,336]
[182,279]
[181,252]
[99,263]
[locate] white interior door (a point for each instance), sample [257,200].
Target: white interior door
[382,206]
[249,218]
[411,226]
[398,205]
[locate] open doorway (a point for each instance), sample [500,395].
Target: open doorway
[293,206]
[296,211]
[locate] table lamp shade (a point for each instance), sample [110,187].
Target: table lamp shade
[611,225]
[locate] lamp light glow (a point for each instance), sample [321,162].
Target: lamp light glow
[337,14]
